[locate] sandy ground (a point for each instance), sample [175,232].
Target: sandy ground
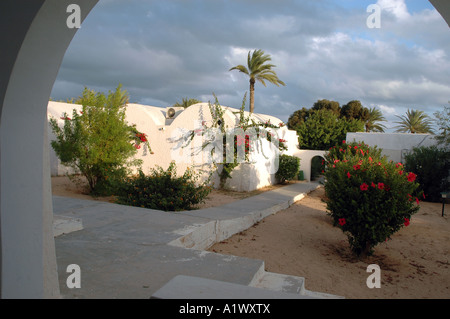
[63,186]
[301,241]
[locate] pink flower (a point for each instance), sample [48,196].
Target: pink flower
[342,221]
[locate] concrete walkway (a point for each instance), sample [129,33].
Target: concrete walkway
[130,252]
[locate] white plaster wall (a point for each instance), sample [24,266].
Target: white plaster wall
[164,137]
[306,157]
[393,145]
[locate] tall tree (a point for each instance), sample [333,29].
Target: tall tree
[372,124]
[355,110]
[414,121]
[328,105]
[258,70]
[443,121]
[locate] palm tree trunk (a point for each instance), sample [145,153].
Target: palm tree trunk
[252,95]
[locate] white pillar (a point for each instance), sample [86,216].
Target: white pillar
[34,50]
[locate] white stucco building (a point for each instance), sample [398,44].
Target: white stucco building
[393,145]
[165,133]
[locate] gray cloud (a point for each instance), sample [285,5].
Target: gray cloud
[162,51]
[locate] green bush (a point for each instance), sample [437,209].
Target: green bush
[432,166]
[163,190]
[317,167]
[368,197]
[288,168]
[98,142]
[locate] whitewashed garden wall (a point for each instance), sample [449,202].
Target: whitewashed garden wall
[394,145]
[164,135]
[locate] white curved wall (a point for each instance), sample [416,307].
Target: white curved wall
[164,137]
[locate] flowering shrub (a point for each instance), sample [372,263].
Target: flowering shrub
[98,142]
[368,197]
[232,156]
[288,168]
[163,190]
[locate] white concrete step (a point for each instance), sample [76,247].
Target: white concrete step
[288,284]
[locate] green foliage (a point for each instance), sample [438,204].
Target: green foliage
[414,121]
[317,167]
[327,105]
[373,120]
[230,156]
[323,129]
[258,70]
[355,110]
[368,198]
[432,166]
[163,190]
[288,168]
[326,123]
[98,142]
[443,122]
[185,102]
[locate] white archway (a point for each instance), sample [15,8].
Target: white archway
[32,51]
[306,157]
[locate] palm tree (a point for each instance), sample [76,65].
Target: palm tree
[372,123]
[414,122]
[258,71]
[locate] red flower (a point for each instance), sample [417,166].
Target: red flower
[370,159]
[137,146]
[411,177]
[406,222]
[399,165]
[423,195]
[380,186]
[356,147]
[282,141]
[417,201]
[364,187]
[356,167]
[342,221]
[400,172]
[343,141]
[348,174]
[373,185]
[66,118]
[362,152]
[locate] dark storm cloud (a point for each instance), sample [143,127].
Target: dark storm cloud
[162,51]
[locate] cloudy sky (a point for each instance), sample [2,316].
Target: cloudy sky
[163,51]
